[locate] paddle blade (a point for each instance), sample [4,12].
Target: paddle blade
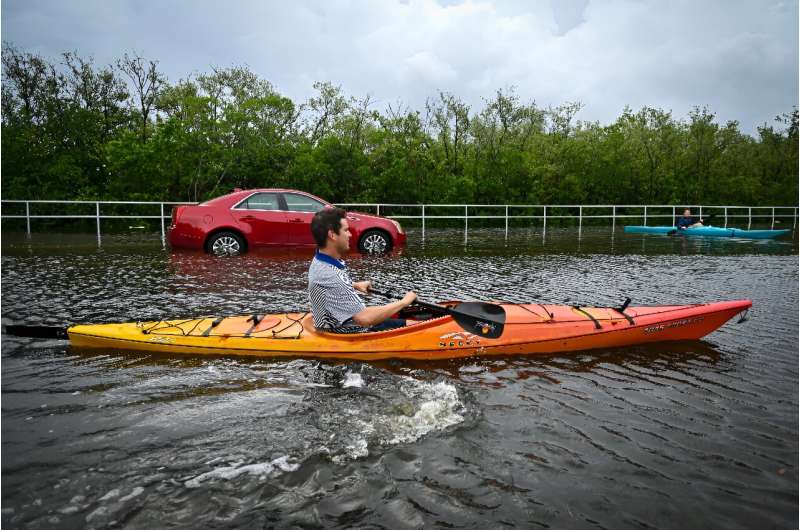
[480,318]
[37,332]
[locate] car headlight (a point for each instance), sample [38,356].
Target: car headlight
[397,225]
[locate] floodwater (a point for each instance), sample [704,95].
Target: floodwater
[677,435]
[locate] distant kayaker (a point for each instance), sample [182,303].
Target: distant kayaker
[335,302]
[686,220]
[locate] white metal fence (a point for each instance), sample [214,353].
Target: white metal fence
[97,215]
[506,212]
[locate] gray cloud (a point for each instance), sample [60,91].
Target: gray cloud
[739,58]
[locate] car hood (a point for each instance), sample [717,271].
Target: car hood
[366,216]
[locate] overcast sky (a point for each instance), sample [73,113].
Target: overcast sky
[740,58]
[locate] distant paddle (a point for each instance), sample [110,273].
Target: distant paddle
[481,318]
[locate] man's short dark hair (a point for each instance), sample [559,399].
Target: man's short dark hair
[324,220]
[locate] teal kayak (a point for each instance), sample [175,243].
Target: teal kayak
[710,231]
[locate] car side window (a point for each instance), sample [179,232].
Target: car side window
[302,203]
[260,201]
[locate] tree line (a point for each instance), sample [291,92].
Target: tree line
[75,130]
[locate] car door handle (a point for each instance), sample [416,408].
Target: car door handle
[295,220]
[248,218]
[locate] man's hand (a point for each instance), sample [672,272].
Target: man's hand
[409,298]
[363,286]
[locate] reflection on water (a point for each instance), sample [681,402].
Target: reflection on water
[678,435]
[602,240]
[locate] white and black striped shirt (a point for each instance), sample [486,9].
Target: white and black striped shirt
[333,298]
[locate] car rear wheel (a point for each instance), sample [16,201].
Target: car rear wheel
[375,242]
[225,244]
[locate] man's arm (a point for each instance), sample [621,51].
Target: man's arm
[372,316]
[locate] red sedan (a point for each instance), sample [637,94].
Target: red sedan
[245,219]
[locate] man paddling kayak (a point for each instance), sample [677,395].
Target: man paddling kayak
[335,302]
[686,221]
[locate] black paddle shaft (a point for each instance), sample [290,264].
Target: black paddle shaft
[480,318]
[37,332]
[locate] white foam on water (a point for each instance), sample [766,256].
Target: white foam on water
[353,379]
[263,470]
[428,407]
[353,451]
[358,449]
[441,408]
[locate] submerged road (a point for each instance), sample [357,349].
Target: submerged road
[682,435]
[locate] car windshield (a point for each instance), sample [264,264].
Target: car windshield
[302,203]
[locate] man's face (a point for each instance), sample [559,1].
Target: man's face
[341,241]
[687,213]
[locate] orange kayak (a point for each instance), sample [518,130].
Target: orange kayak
[529,329]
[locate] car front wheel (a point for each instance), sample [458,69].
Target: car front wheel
[375,242]
[225,244]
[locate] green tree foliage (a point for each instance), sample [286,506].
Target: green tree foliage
[76,130]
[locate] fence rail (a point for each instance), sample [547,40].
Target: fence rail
[575,212]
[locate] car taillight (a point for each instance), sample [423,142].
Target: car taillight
[175,214]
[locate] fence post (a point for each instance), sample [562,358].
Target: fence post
[673,216]
[97,210]
[580,218]
[506,221]
[645,216]
[794,224]
[163,237]
[544,221]
[773,219]
[28,217]
[749,217]
[613,218]
[423,222]
[726,217]
[377,209]
[466,222]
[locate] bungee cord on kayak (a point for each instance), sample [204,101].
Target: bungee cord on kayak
[169,325]
[161,327]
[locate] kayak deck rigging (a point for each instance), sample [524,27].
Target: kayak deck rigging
[291,324]
[261,324]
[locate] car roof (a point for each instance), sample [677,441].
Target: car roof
[238,195]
